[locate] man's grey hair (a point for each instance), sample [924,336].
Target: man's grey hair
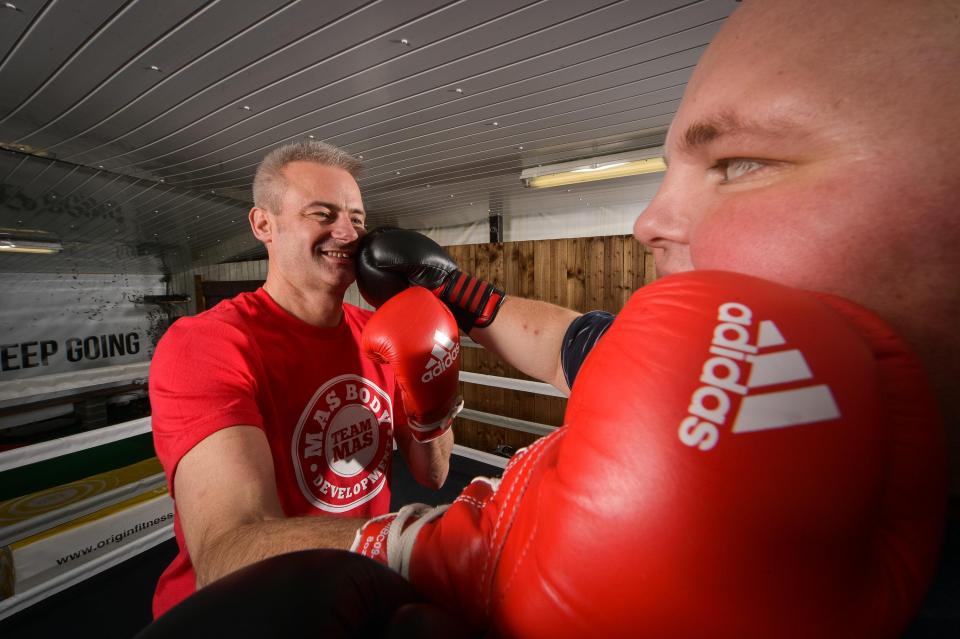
[269,183]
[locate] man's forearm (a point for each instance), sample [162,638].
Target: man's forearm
[430,461]
[249,543]
[528,334]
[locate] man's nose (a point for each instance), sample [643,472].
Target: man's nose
[660,223]
[344,229]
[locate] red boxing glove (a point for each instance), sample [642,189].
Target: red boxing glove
[740,459]
[417,335]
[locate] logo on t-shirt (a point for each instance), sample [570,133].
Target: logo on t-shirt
[340,447]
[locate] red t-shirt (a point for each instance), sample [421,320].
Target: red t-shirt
[328,412]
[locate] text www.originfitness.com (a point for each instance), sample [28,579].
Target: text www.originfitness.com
[112,539]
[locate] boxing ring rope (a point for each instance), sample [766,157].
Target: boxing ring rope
[480,456]
[62,386]
[72,443]
[511,423]
[510,383]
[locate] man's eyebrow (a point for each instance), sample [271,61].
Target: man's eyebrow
[712,128]
[331,206]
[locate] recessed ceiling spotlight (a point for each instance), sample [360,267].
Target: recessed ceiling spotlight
[451,195]
[360,157]
[397,172]
[11,6]
[154,67]
[458,90]
[495,123]
[245,107]
[404,42]
[99,166]
[311,137]
[520,148]
[162,180]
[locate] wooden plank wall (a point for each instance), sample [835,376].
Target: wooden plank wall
[583,274]
[183,283]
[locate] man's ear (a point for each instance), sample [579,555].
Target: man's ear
[261,223]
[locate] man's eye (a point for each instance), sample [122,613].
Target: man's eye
[359,221]
[738,167]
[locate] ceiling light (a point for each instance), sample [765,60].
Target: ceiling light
[29,241]
[593,169]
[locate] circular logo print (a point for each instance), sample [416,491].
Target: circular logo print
[340,447]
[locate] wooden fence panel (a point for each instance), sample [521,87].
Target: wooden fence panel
[583,274]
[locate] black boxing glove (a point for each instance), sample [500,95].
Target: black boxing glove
[391,259]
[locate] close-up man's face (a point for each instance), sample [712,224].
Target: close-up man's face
[804,153]
[314,235]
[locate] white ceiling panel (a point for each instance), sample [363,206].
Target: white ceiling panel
[132,128]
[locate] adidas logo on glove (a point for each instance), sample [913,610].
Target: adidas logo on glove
[442,356]
[722,376]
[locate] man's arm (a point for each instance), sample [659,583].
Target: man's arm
[429,462]
[226,496]
[528,335]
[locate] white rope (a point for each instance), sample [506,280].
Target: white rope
[510,423]
[65,445]
[526,386]
[65,385]
[480,456]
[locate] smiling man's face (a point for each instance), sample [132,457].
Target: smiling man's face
[313,237]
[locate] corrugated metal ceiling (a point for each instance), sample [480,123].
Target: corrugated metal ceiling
[132,128]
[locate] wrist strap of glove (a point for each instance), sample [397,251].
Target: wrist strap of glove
[473,301]
[428,432]
[389,538]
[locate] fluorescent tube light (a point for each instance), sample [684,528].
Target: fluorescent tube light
[28,241]
[593,169]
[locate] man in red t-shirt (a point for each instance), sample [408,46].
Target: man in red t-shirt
[263,406]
